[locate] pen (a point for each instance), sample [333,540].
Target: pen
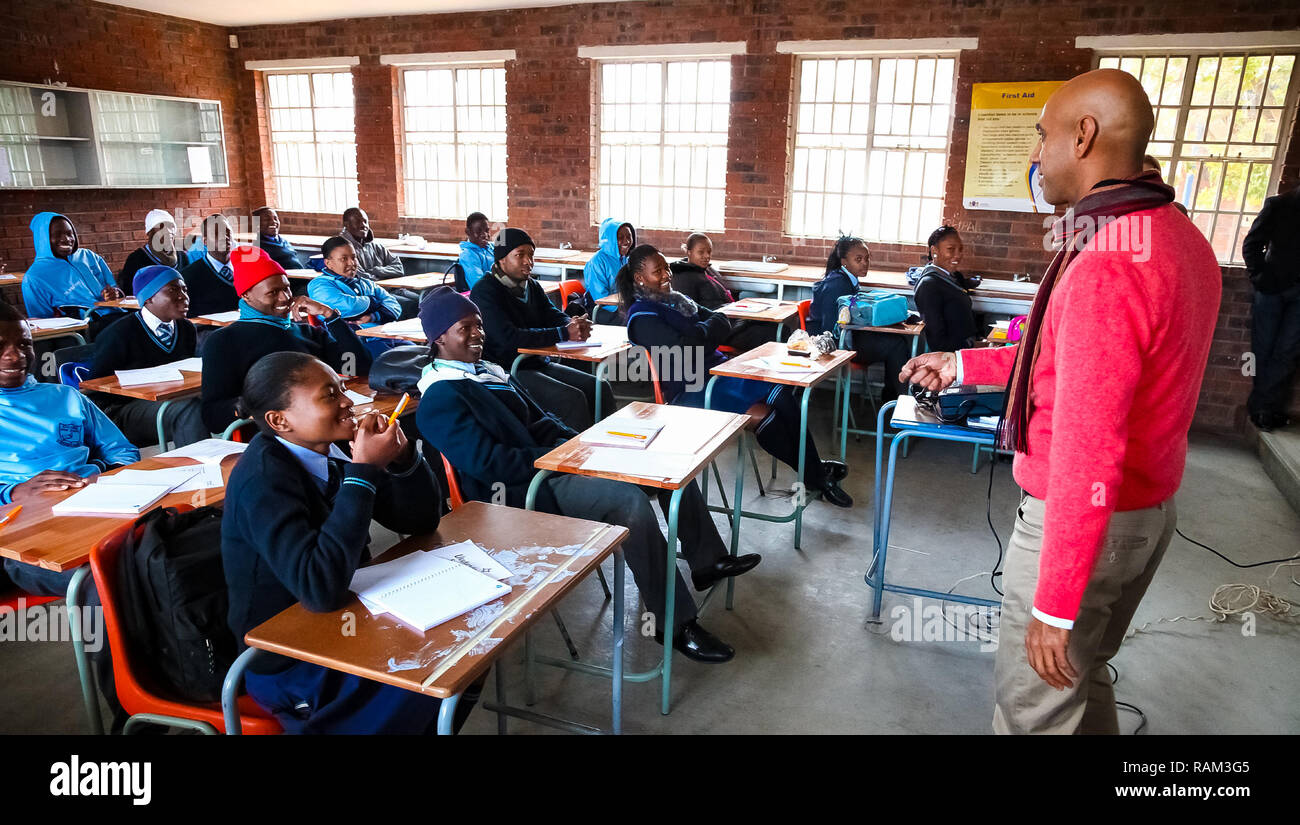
[9,516]
[401,405]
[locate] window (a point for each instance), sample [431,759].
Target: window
[870,146]
[454,141]
[313,140]
[663,142]
[1220,118]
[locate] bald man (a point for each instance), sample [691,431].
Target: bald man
[1101,391]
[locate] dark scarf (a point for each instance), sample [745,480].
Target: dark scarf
[672,299]
[1116,199]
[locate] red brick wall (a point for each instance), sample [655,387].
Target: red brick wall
[96,46]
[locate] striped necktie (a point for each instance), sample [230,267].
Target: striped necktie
[165,335]
[227,274]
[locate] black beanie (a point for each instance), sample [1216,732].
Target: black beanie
[509,239]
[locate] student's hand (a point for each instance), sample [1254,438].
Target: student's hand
[377,443]
[50,481]
[579,328]
[111,293]
[364,319]
[1046,646]
[303,306]
[934,371]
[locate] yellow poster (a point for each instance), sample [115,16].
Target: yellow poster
[998,172]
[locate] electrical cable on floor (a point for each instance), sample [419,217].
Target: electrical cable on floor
[1230,561]
[1114,680]
[988,514]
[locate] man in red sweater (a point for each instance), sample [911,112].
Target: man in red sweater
[1102,389]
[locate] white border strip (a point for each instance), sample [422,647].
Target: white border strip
[921,45]
[302,63]
[446,58]
[1215,41]
[663,50]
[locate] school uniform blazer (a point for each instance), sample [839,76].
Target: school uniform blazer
[945,306]
[209,292]
[653,324]
[511,323]
[701,285]
[824,312]
[485,441]
[283,541]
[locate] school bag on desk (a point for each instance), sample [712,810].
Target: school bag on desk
[174,601]
[876,308]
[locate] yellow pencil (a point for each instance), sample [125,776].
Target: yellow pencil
[9,516]
[401,405]
[626,435]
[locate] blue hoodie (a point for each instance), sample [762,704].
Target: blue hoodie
[475,260]
[54,427]
[78,280]
[354,297]
[599,273]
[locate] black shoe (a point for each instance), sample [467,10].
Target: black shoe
[835,471]
[723,568]
[836,495]
[1265,422]
[698,644]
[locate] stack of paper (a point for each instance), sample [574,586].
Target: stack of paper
[358,398]
[563,345]
[111,500]
[423,589]
[645,464]
[408,327]
[148,375]
[622,432]
[223,317]
[194,364]
[53,323]
[207,451]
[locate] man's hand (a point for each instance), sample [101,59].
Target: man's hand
[303,306]
[50,481]
[1046,646]
[579,328]
[111,293]
[934,371]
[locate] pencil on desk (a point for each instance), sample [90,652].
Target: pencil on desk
[627,435]
[401,405]
[9,516]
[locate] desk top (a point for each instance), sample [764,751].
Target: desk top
[774,311]
[63,542]
[395,331]
[129,302]
[612,338]
[216,319]
[746,366]
[548,554]
[190,383]
[689,440]
[70,329]
[302,274]
[901,328]
[10,278]
[384,402]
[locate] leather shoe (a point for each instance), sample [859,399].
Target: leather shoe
[835,495]
[835,471]
[698,644]
[723,568]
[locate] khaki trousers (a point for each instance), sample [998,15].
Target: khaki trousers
[1135,543]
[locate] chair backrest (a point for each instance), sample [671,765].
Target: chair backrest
[73,373]
[457,272]
[654,374]
[805,307]
[134,694]
[453,486]
[240,430]
[570,287]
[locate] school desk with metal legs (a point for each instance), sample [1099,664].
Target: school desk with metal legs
[613,342]
[883,502]
[164,391]
[797,372]
[690,439]
[845,384]
[445,660]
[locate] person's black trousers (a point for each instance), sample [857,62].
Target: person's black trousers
[1275,340]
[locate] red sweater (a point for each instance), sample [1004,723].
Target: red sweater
[1123,350]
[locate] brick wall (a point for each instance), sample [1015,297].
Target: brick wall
[96,46]
[549,116]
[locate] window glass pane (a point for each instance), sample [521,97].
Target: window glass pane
[313,143]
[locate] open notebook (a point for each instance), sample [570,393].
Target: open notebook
[423,589]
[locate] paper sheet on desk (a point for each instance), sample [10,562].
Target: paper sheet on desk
[53,323]
[148,375]
[358,398]
[578,344]
[406,327]
[207,451]
[642,464]
[187,479]
[471,555]
[194,364]
[777,363]
[223,317]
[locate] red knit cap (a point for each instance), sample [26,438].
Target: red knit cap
[252,266]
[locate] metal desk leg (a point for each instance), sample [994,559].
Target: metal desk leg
[802,500]
[600,376]
[89,695]
[230,690]
[846,374]
[619,610]
[514,368]
[736,514]
[670,594]
[447,715]
[499,673]
[162,434]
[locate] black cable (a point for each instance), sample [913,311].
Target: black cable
[1134,709]
[988,514]
[1230,561]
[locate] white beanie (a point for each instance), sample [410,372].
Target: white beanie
[157,216]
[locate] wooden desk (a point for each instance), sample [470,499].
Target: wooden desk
[69,331]
[129,302]
[384,403]
[166,391]
[776,312]
[690,439]
[747,366]
[393,332]
[216,319]
[613,341]
[10,278]
[302,274]
[429,280]
[447,658]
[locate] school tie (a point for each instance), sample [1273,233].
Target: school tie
[227,274]
[336,479]
[165,335]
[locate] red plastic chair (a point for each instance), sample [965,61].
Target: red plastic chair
[569,288]
[453,486]
[134,694]
[9,600]
[804,307]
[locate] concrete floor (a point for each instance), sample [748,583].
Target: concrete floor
[809,661]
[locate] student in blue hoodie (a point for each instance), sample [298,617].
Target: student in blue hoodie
[65,275]
[846,266]
[52,438]
[280,250]
[476,256]
[361,302]
[616,240]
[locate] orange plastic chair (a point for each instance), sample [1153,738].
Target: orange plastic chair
[568,288]
[135,696]
[9,600]
[804,307]
[453,486]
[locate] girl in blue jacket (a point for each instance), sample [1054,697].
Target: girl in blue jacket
[617,238]
[65,275]
[360,301]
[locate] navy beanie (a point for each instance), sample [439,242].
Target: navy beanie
[441,308]
[508,239]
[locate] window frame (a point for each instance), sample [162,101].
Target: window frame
[267,74]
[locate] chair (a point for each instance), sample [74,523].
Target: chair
[10,599]
[73,373]
[457,272]
[240,430]
[804,307]
[134,693]
[569,288]
[453,486]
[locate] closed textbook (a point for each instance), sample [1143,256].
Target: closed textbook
[424,590]
[111,500]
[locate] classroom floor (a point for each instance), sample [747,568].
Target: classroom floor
[808,661]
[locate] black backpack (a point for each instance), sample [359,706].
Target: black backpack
[173,600]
